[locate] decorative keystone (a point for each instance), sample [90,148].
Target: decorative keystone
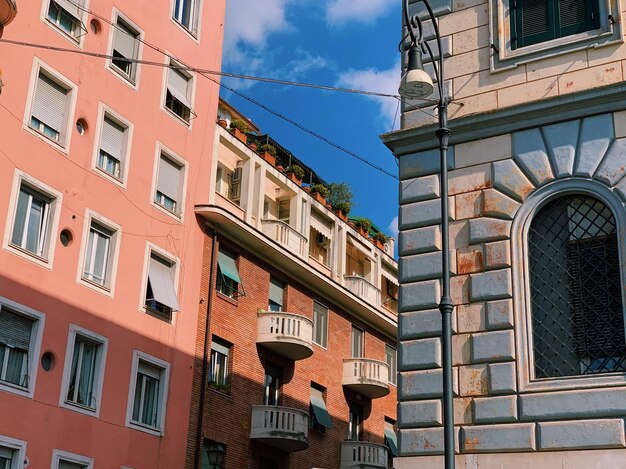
[562,140]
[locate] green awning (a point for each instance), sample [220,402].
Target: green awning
[392,442]
[319,408]
[226,263]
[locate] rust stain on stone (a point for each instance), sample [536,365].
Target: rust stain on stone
[471,444]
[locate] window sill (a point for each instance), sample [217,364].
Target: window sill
[41,261]
[104,289]
[61,147]
[574,382]
[15,389]
[169,319]
[177,118]
[195,37]
[176,216]
[81,409]
[109,177]
[226,298]
[77,41]
[145,428]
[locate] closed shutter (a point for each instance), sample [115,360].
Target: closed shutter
[276,291]
[49,102]
[15,329]
[169,178]
[149,370]
[178,85]
[70,465]
[125,40]
[113,136]
[321,225]
[73,6]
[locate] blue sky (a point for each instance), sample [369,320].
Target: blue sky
[345,43]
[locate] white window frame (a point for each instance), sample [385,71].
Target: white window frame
[159,430]
[506,58]
[102,343]
[65,134]
[134,84]
[54,214]
[362,331]
[17,446]
[195,35]
[521,283]
[34,351]
[58,455]
[160,252]
[393,371]
[168,153]
[324,346]
[168,59]
[112,256]
[104,110]
[77,41]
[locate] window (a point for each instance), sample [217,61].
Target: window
[67,17]
[7,458]
[535,21]
[50,108]
[271,385]
[277,290]
[113,147]
[178,91]
[576,289]
[84,370]
[97,268]
[64,464]
[228,282]
[65,460]
[161,298]
[187,13]
[125,49]
[283,209]
[169,184]
[357,342]
[12,453]
[148,393]
[390,358]
[319,419]
[320,324]
[391,440]
[355,422]
[218,374]
[32,223]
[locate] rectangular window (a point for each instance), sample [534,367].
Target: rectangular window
[65,460]
[84,378]
[169,185]
[220,354]
[319,419]
[178,91]
[357,342]
[98,257]
[125,49]
[7,458]
[16,348]
[12,453]
[113,141]
[161,298]
[271,385]
[32,223]
[66,16]
[63,464]
[320,324]
[283,209]
[187,13]
[277,292]
[49,108]
[391,440]
[390,358]
[355,422]
[148,388]
[228,281]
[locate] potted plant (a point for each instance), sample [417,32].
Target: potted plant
[342,209]
[253,146]
[239,129]
[320,192]
[223,123]
[380,239]
[295,173]
[268,152]
[363,225]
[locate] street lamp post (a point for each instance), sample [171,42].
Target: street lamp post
[416,84]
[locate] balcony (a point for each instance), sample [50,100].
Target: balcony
[363,289]
[8,10]
[362,454]
[288,334]
[365,376]
[281,427]
[285,235]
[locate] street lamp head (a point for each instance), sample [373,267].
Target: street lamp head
[415,82]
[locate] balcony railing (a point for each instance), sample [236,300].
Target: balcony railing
[358,454]
[281,427]
[367,377]
[285,235]
[363,289]
[288,334]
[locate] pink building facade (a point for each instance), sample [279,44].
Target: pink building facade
[102,160]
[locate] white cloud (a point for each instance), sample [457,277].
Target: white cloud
[365,11]
[393,228]
[382,81]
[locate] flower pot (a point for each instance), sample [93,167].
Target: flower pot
[269,158]
[379,244]
[279,168]
[361,231]
[253,146]
[341,215]
[222,123]
[294,178]
[319,198]
[329,207]
[307,189]
[239,135]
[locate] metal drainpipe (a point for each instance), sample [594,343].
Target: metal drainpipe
[205,362]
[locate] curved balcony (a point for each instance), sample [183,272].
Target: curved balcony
[288,334]
[8,10]
[281,427]
[362,454]
[285,235]
[363,289]
[365,376]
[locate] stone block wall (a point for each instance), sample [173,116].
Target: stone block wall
[498,407]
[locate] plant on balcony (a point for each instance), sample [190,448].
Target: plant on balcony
[320,192]
[239,128]
[364,225]
[380,239]
[223,123]
[342,209]
[268,152]
[340,197]
[295,173]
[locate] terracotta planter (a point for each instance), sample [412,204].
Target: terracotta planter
[294,178]
[239,135]
[280,168]
[329,207]
[269,158]
[379,245]
[222,123]
[307,189]
[341,215]
[319,198]
[253,146]
[361,231]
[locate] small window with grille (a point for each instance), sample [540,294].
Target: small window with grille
[576,289]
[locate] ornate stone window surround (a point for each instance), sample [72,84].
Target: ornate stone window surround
[504,58]
[521,291]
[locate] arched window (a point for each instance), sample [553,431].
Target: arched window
[576,289]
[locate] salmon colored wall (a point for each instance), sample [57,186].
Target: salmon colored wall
[55,292]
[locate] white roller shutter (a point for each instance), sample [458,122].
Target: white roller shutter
[49,102]
[169,179]
[112,140]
